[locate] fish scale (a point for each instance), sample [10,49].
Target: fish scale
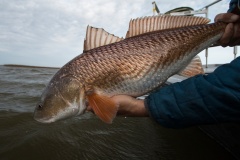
[146,64]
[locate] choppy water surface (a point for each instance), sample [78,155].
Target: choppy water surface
[86,137]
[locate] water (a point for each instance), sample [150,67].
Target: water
[86,137]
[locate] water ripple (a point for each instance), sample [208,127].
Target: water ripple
[84,137]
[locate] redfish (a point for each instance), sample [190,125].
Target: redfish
[155,48]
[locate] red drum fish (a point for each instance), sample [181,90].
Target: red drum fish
[155,48]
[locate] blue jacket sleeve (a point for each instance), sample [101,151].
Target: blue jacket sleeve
[203,99]
[234,6]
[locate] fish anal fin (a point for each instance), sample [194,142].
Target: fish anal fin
[103,107]
[96,37]
[194,68]
[155,23]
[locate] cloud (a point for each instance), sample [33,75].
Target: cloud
[51,32]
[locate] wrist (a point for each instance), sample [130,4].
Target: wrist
[139,109]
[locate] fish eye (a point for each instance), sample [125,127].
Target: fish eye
[40,106]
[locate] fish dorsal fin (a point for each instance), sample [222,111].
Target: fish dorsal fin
[103,107]
[195,67]
[154,23]
[96,37]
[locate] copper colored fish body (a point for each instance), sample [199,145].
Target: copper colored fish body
[134,66]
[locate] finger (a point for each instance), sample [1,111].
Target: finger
[236,35]
[227,17]
[227,35]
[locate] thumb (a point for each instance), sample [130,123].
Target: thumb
[227,17]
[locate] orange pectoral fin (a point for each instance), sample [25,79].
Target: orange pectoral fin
[103,107]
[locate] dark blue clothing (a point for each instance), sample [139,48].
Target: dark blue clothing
[234,4]
[203,99]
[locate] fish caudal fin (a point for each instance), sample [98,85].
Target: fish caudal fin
[96,37]
[103,107]
[155,23]
[194,68]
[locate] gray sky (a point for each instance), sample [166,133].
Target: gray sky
[51,32]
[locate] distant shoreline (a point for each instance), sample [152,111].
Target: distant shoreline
[26,66]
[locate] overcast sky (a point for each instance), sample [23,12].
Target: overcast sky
[51,32]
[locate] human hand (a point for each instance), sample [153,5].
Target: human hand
[129,106]
[231,36]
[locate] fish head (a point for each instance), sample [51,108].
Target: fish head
[62,98]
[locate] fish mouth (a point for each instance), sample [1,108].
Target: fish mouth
[44,120]
[63,114]
[38,116]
